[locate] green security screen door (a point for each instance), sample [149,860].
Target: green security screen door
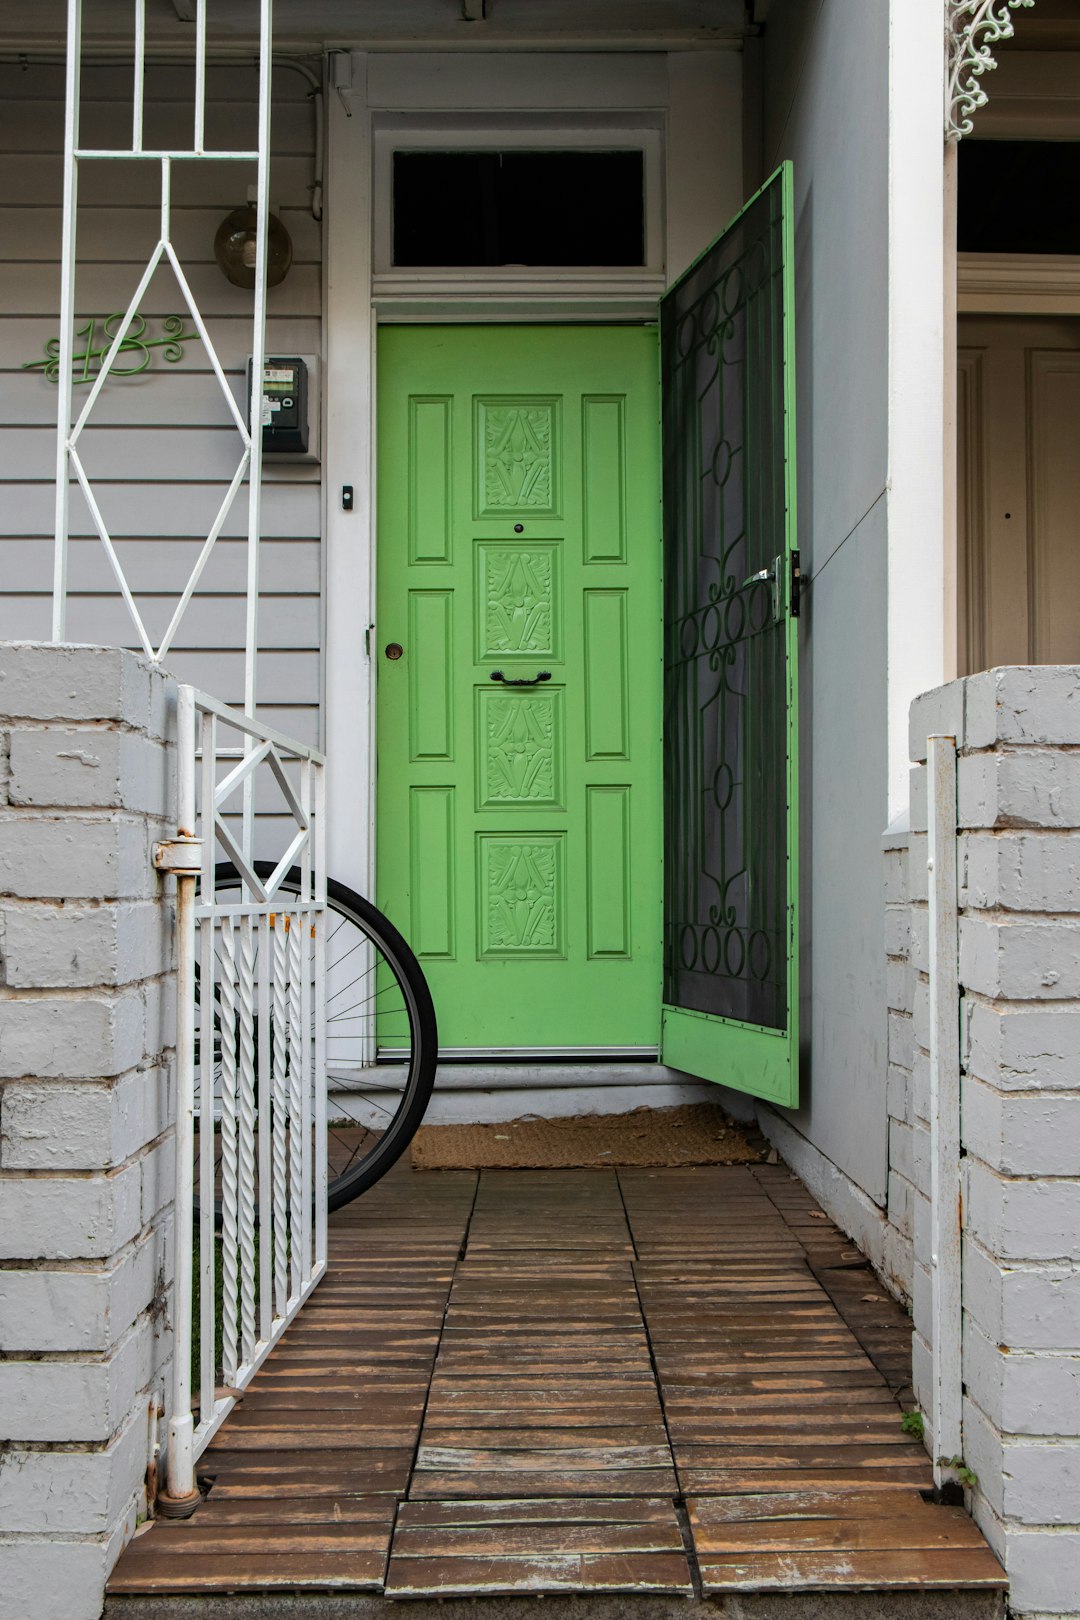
[730,658]
[518,642]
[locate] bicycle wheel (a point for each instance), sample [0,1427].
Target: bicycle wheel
[381,1037]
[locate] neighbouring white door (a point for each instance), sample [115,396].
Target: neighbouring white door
[1019,491]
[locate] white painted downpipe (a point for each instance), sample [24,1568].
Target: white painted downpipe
[180,1487]
[946,1196]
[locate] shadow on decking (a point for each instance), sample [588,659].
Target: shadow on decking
[575,1381]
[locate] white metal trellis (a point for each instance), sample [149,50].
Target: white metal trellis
[251,1020]
[69,462]
[251,1061]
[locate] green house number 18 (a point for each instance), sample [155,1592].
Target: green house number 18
[99,333]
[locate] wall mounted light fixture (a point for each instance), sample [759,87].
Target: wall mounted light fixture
[234,247]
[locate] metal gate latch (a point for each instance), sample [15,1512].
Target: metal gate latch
[774,576]
[180,856]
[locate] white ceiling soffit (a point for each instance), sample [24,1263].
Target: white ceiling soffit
[402,24]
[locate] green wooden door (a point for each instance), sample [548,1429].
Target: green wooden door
[519,825]
[730,658]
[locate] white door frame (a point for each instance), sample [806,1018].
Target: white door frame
[692,97]
[348,587]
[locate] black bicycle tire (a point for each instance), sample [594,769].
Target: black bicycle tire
[410,976]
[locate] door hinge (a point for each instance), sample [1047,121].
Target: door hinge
[180,856]
[794,584]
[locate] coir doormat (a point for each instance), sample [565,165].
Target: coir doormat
[696,1133]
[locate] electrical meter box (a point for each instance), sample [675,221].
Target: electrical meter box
[286,415]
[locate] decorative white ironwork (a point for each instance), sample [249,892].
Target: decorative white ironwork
[279,928]
[69,462]
[251,1040]
[972,29]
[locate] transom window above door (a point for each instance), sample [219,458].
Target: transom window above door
[516,207]
[472,202]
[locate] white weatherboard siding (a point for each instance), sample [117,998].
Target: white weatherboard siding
[826,99]
[161,447]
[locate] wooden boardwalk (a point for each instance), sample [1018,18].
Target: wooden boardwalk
[668,1381]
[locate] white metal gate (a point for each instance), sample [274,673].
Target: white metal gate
[251,1064]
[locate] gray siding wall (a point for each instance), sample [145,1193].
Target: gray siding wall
[826,91]
[162,446]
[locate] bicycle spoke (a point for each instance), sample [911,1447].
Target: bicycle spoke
[370,1114]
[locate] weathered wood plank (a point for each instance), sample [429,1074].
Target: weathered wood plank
[954,1567]
[752,1481]
[821,1503]
[542,1482]
[932,1527]
[337,1509]
[768,1454]
[287,1438]
[537,1510]
[737,1398]
[266,1473]
[443,1423]
[608,1437]
[252,1572]
[765,1428]
[584,1572]
[491,1458]
[507,1541]
[274,1539]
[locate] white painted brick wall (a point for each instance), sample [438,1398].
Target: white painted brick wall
[1018,858]
[56,1308]
[896,1258]
[86,1112]
[47,947]
[89,768]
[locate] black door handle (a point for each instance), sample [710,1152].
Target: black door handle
[544,675]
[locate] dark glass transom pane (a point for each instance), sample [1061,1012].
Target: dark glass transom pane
[508,208]
[725,724]
[1015,197]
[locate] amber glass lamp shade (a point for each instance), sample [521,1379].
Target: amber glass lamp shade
[234,248]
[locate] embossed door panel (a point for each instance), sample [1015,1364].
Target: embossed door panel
[519,825]
[730,658]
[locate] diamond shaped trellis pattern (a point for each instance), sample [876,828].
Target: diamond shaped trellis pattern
[164,252]
[240,851]
[71,466]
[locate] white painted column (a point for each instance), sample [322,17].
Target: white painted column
[916,561]
[348,553]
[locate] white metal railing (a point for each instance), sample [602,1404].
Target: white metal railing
[251,1065]
[69,462]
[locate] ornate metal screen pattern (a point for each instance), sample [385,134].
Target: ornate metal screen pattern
[725,698]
